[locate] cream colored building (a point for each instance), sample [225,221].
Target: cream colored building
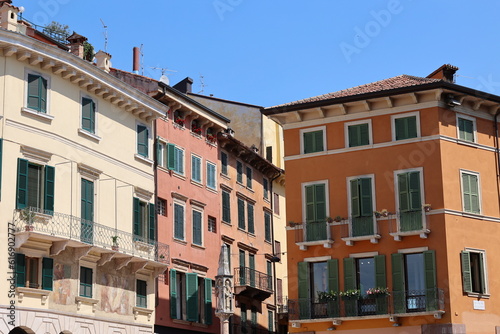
[77,213]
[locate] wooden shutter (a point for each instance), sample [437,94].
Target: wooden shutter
[34,98]
[171,158]
[48,203]
[430,280]
[303,280]
[22,184]
[142,140]
[137,217]
[192,296]
[43,95]
[152,222]
[173,293]
[355,207]
[366,197]
[308,142]
[414,191]
[250,217]
[404,204]
[310,207]
[318,141]
[399,125]
[380,277]
[364,135]
[195,168]
[208,301]
[398,288]
[267,226]
[178,221]
[87,200]
[241,214]
[239,172]
[469,130]
[474,193]
[226,207]
[47,273]
[223,160]
[461,129]
[466,272]
[333,275]
[411,123]
[249,177]
[466,192]
[320,199]
[20,270]
[352,133]
[197,228]
[349,273]
[88,115]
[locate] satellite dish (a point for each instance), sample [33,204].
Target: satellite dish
[165,80]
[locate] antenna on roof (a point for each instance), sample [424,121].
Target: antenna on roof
[202,84]
[163,77]
[105,36]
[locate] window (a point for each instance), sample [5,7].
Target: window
[312,141]
[361,206]
[315,211]
[223,162]
[178,221]
[474,271]
[243,316]
[414,282]
[358,134]
[211,176]
[87,211]
[212,224]
[269,153]
[142,140]
[265,186]
[243,276]
[86,282]
[270,321]
[409,201]
[267,226]
[406,126]
[88,114]
[249,177]
[250,218]
[190,297]
[175,158]
[35,186]
[144,221]
[239,172]
[197,227]
[162,207]
[161,154]
[37,93]
[276,203]
[141,293]
[241,214]
[196,168]
[269,268]
[466,128]
[253,319]
[470,192]
[226,207]
[31,271]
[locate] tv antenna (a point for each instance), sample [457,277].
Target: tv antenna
[163,70]
[202,84]
[105,36]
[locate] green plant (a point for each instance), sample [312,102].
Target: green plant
[326,296]
[27,215]
[88,51]
[115,239]
[338,219]
[350,294]
[378,291]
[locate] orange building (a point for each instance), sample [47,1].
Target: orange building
[393,207]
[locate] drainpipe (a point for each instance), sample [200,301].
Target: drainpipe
[275,278]
[497,152]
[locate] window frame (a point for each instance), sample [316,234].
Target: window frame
[396,186]
[314,129]
[484,274]
[405,115]
[183,205]
[148,140]
[94,101]
[28,72]
[303,197]
[474,128]
[144,223]
[468,172]
[373,202]
[44,193]
[214,175]
[200,163]
[137,295]
[211,224]
[162,153]
[355,123]
[91,266]
[202,234]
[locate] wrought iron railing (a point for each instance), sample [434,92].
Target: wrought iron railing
[312,231]
[405,302]
[359,227]
[91,233]
[244,276]
[249,329]
[282,305]
[409,221]
[60,37]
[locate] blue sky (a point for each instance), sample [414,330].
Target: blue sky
[268,52]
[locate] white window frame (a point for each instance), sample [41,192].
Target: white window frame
[200,210]
[465,171]
[485,266]
[150,133]
[163,160]
[183,204]
[318,128]
[346,132]
[374,202]
[404,115]
[421,176]
[81,130]
[227,165]
[145,278]
[175,170]
[214,176]
[201,164]
[93,266]
[25,102]
[474,128]
[303,196]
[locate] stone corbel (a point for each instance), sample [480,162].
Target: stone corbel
[59,69]
[57,247]
[81,252]
[9,51]
[136,266]
[122,262]
[22,56]
[35,60]
[105,258]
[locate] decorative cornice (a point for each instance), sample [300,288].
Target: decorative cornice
[90,172]
[179,196]
[247,248]
[143,193]
[35,154]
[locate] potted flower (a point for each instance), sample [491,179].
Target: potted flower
[115,246]
[377,292]
[211,138]
[179,121]
[338,219]
[329,219]
[28,217]
[327,296]
[427,207]
[384,213]
[377,214]
[196,130]
[350,294]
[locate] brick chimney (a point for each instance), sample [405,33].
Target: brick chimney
[445,73]
[76,44]
[103,60]
[185,86]
[8,15]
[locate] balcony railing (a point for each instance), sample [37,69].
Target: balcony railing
[249,329]
[87,232]
[282,305]
[409,223]
[244,276]
[399,303]
[358,227]
[312,232]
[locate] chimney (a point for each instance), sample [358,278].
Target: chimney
[136,61]
[76,44]
[445,73]
[103,60]
[8,15]
[185,86]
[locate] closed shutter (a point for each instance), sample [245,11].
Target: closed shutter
[171,159]
[208,301]
[267,226]
[318,141]
[37,93]
[87,201]
[178,221]
[211,176]
[366,197]
[22,184]
[250,217]
[249,177]
[241,214]
[43,95]
[226,207]
[430,280]
[398,283]
[349,273]
[173,293]
[251,267]
[137,217]
[239,172]
[380,277]
[412,126]
[310,207]
[195,168]
[20,270]
[399,124]
[48,203]
[88,115]
[355,207]
[461,128]
[320,199]
[223,161]
[192,296]
[197,228]
[243,269]
[364,134]
[404,204]
[303,279]
[308,140]
[466,272]
[414,190]
[142,140]
[152,222]
[469,130]
[47,273]
[333,275]
[474,193]
[353,135]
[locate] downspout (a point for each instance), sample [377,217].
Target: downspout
[497,152]
[275,278]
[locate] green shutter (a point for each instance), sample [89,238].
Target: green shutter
[137,217]
[333,275]
[400,128]
[349,273]
[192,296]
[474,193]
[47,273]
[469,130]
[267,226]
[404,203]
[239,172]
[308,141]
[366,197]
[310,214]
[430,280]
[380,279]
[223,159]
[320,199]
[461,128]
[364,135]
[88,115]
[466,272]
[304,302]
[355,206]
[398,288]
[251,267]
[414,191]
[171,156]
[152,222]
[178,221]
[208,301]
[243,270]
[142,140]
[411,123]
[466,192]
[482,272]
[226,207]
[22,184]
[48,203]
[173,294]
[250,217]
[318,141]
[20,270]
[241,214]
[353,135]
[37,93]
[197,228]
[1,153]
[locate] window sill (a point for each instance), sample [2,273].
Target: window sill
[144,160]
[180,241]
[250,189]
[196,183]
[79,300]
[43,294]
[373,239]
[177,175]
[467,143]
[181,127]
[227,223]
[35,114]
[303,245]
[225,176]
[194,134]
[212,190]
[398,235]
[478,295]
[141,310]
[198,246]
[89,135]
[211,143]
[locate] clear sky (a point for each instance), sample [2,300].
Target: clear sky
[268,52]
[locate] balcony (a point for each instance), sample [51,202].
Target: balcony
[313,233]
[252,283]
[64,231]
[282,305]
[397,304]
[248,329]
[360,228]
[406,223]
